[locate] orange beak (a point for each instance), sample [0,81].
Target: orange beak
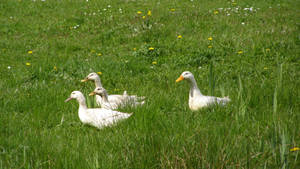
[85,80]
[92,94]
[180,78]
[68,99]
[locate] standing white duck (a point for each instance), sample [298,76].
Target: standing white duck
[196,99]
[126,100]
[99,117]
[112,99]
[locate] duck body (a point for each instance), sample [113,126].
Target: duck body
[97,117]
[115,101]
[196,99]
[100,117]
[204,101]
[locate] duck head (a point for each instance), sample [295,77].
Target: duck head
[186,75]
[92,76]
[99,91]
[75,95]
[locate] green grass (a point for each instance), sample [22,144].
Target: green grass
[256,130]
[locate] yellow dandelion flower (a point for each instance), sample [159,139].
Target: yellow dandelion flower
[209,46]
[151,48]
[179,36]
[139,12]
[29,52]
[295,149]
[144,17]
[99,73]
[172,10]
[216,12]
[27,64]
[267,50]
[265,68]
[210,38]
[99,54]
[55,68]
[149,13]
[154,63]
[93,51]
[240,52]
[134,49]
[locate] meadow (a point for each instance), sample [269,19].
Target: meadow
[247,50]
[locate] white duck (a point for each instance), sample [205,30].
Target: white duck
[112,99]
[99,117]
[196,99]
[126,100]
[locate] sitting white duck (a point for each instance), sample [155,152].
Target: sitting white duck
[112,99]
[196,99]
[125,100]
[99,117]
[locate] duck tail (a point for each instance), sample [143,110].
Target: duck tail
[142,98]
[130,114]
[226,99]
[223,100]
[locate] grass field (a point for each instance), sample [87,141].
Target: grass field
[247,50]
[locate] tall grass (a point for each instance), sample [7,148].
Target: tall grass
[253,60]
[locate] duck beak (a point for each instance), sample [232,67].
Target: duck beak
[85,80]
[92,94]
[180,78]
[68,99]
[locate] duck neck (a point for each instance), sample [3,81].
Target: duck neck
[98,82]
[82,103]
[105,97]
[194,87]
